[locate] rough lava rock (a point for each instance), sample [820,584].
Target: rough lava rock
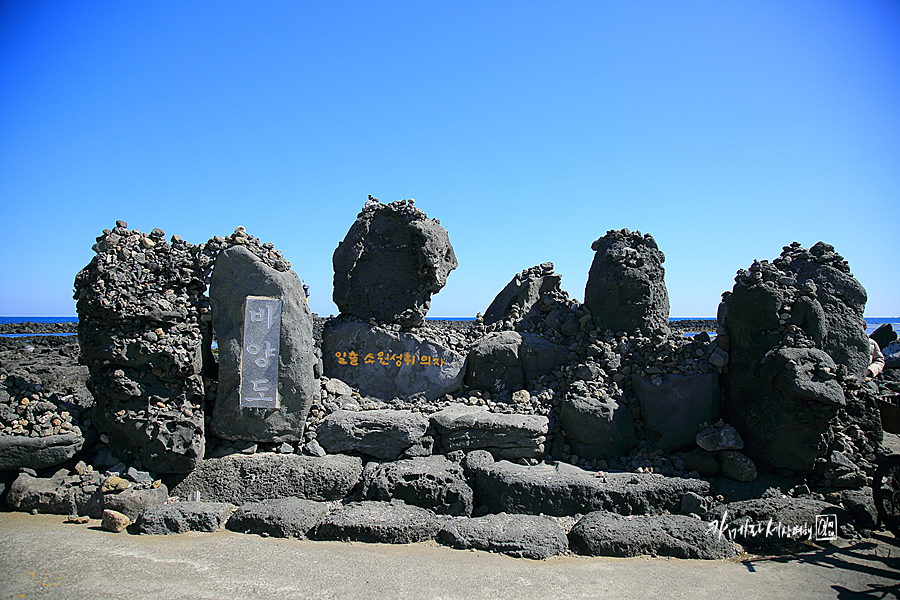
[383,434]
[378,522]
[388,364]
[524,292]
[626,288]
[18,451]
[677,408]
[719,436]
[432,482]
[603,533]
[140,304]
[795,516]
[597,427]
[239,273]
[511,436]
[507,360]
[798,351]
[181,517]
[521,536]
[561,489]
[493,362]
[65,494]
[279,517]
[390,263]
[240,478]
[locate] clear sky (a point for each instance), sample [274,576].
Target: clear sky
[724,129]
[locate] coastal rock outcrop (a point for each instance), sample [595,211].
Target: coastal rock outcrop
[240,273]
[139,303]
[798,351]
[390,263]
[626,288]
[519,299]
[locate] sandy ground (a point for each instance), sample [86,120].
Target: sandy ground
[42,557]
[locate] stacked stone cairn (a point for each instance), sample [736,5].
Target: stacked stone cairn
[38,427]
[545,425]
[796,388]
[140,303]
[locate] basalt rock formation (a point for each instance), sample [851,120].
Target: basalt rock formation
[240,273]
[626,288]
[140,303]
[798,355]
[519,299]
[390,263]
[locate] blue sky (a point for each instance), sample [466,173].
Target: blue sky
[529,129]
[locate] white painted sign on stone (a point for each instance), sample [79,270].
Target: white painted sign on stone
[259,356]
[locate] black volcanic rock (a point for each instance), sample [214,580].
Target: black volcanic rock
[239,273]
[140,303]
[626,288]
[390,263]
[524,291]
[798,355]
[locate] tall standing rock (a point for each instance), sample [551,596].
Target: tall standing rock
[626,288]
[798,351]
[237,274]
[390,263]
[140,306]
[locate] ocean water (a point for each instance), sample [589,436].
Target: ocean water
[5,320]
[872,322]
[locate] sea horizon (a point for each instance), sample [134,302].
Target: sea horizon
[74,319]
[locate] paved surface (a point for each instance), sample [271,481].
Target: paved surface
[42,557]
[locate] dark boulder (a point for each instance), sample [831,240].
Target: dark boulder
[523,292]
[390,263]
[626,288]
[561,489]
[511,436]
[521,536]
[382,434]
[762,522]
[18,451]
[608,534]
[678,407]
[181,517]
[388,364]
[65,494]
[240,478]
[507,360]
[432,482]
[884,335]
[493,363]
[280,517]
[239,273]
[378,522]
[597,427]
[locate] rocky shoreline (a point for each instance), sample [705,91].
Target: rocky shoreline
[48,367]
[32,327]
[544,426]
[26,327]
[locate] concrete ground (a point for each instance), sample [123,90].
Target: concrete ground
[42,557]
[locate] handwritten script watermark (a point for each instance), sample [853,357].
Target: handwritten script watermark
[824,528]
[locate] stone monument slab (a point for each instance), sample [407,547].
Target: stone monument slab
[259,359]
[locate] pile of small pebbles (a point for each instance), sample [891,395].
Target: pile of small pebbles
[26,409]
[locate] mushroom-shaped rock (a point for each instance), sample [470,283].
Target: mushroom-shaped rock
[390,263]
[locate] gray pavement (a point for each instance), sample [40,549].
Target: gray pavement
[42,557]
